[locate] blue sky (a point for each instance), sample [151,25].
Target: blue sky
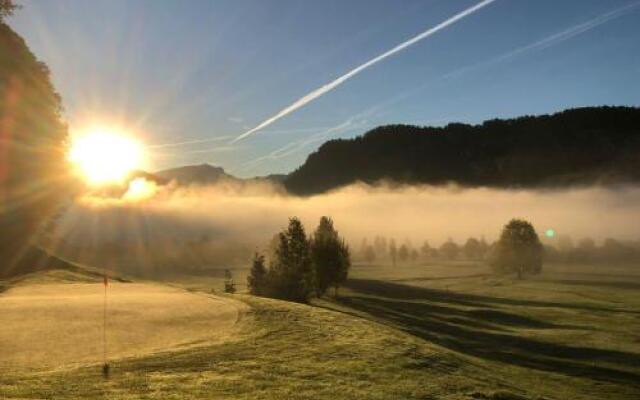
[205,72]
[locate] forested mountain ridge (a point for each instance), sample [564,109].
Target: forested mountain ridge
[577,146]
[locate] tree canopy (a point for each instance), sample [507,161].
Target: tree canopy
[7,7]
[330,255]
[518,249]
[578,146]
[291,275]
[33,170]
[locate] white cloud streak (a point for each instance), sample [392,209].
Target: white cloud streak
[340,80]
[189,142]
[551,40]
[541,44]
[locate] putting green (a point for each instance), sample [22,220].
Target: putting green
[58,325]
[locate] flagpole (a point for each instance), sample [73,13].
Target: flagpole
[105,365]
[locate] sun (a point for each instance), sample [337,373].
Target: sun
[105,156]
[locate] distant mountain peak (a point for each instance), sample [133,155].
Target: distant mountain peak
[201,174]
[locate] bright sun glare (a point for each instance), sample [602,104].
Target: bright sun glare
[105,156]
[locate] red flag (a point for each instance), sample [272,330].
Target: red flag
[106,280]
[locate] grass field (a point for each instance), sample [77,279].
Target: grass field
[573,332]
[429,332]
[54,320]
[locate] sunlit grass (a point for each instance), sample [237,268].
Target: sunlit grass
[417,349]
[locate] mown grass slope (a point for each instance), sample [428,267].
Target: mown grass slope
[449,331]
[281,350]
[56,325]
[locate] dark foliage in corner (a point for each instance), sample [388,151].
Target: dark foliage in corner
[32,147]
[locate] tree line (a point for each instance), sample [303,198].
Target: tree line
[559,249]
[587,251]
[383,249]
[577,146]
[301,266]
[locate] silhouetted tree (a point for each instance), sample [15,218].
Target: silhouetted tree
[483,248]
[584,252]
[7,8]
[565,244]
[272,247]
[291,274]
[614,250]
[426,250]
[363,247]
[449,249]
[472,249]
[587,244]
[403,253]
[380,245]
[33,170]
[369,254]
[257,278]
[229,284]
[518,249]
[330,257]
[393,252]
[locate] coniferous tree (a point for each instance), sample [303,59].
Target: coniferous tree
[257,279]
[369,254]
[449,249]
[229,284]
[414,255]
[380,245]
[403,253]
[472,248]
[291,274]
[393,252]
[330,255]
[426,250]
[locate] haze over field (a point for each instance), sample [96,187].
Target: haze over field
[253,213]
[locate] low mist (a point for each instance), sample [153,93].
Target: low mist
[233,220]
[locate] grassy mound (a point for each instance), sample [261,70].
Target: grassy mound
[40,266]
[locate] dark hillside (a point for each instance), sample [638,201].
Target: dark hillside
[573,147]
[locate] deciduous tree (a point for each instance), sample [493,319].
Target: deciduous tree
[518,250]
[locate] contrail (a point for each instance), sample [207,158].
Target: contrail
[188,142]
[339,81]
[551,40]
[541,44]
[227,137]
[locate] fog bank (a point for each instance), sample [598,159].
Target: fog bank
[253,213]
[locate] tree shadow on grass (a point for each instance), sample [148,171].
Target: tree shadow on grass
[483,332]
[601,284]
[405,292]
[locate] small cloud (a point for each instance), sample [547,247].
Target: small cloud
[236,120]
